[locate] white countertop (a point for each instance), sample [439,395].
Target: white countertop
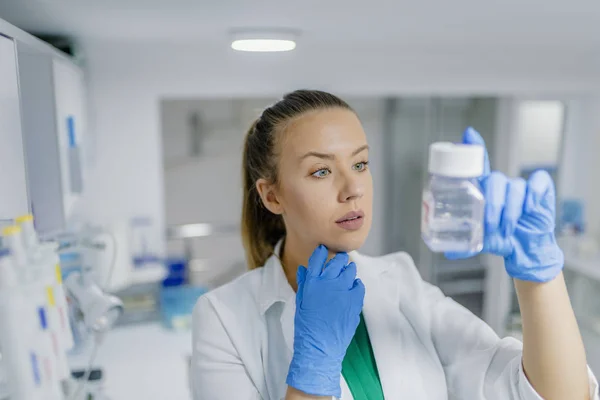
[143,361]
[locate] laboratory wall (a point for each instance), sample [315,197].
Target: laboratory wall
[580,158]
[127,81]
[541,125]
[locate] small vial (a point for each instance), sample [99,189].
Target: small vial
[453,202]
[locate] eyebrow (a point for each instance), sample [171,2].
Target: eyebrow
[329,156]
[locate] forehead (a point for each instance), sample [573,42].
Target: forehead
[332,131]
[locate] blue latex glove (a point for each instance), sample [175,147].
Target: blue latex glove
[519,222]
[328,305]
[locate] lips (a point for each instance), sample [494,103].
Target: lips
[351,215]
[352,221]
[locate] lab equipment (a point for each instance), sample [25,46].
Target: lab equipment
[141,232]
[51,89]
[45,257]
[328,305]
[99,311]
[177,303]
[453,203]
[89,256]
[140,303]
[572,217]
[94,312]
[94,384]
[107,252]
[37,300]
[207,272]
[19,354]
[34,323]
[14,199]
[75,167]
[177,296]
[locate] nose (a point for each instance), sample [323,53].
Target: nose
[352,188]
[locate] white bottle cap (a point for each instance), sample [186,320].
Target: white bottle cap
[456,160]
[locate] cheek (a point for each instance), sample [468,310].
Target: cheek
[308,204]
[366,203]
[369,194]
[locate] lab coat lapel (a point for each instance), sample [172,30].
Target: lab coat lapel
[276,289]
[385,324]
[277,303]
[287,324]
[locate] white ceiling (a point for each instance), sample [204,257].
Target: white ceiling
[525,24]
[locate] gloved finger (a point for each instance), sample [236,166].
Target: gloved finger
[358,290]
[334,267]
[471,136]
[301,276]
[513,208]
[458,255]
[348,275]
[495,197]
[317,260]
[540,186]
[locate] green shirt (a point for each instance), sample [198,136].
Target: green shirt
[359,368]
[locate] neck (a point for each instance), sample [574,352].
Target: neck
[293,254]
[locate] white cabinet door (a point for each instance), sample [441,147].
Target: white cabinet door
[13,184]
[70,120]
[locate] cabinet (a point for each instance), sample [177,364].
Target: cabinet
[13,186]
[52,98]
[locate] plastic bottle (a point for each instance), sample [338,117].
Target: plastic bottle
[37,302]
[17,335]
[45,255]
[453,203]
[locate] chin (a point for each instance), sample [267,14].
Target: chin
[346,243]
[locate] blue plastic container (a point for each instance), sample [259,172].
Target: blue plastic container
[177,304]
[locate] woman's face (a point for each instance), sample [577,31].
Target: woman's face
[325,190]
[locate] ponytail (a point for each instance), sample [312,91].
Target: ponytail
[261,229]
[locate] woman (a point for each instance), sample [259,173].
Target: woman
[308,199]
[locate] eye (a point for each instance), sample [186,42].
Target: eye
[322,173]
[361,166]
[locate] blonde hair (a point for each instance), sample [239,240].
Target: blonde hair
[261,229]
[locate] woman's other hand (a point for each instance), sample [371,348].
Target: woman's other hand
[519,222]
[329,301]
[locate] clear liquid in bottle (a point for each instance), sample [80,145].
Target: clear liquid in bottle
[453,203]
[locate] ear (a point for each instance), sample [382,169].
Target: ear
[268,195]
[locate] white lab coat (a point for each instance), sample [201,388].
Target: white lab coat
[426,345]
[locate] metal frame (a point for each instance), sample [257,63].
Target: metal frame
[188,232]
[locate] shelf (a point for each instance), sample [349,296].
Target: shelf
[588,267]
[462,286]
[450,269]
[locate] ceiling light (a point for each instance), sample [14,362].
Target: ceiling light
[263,41]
